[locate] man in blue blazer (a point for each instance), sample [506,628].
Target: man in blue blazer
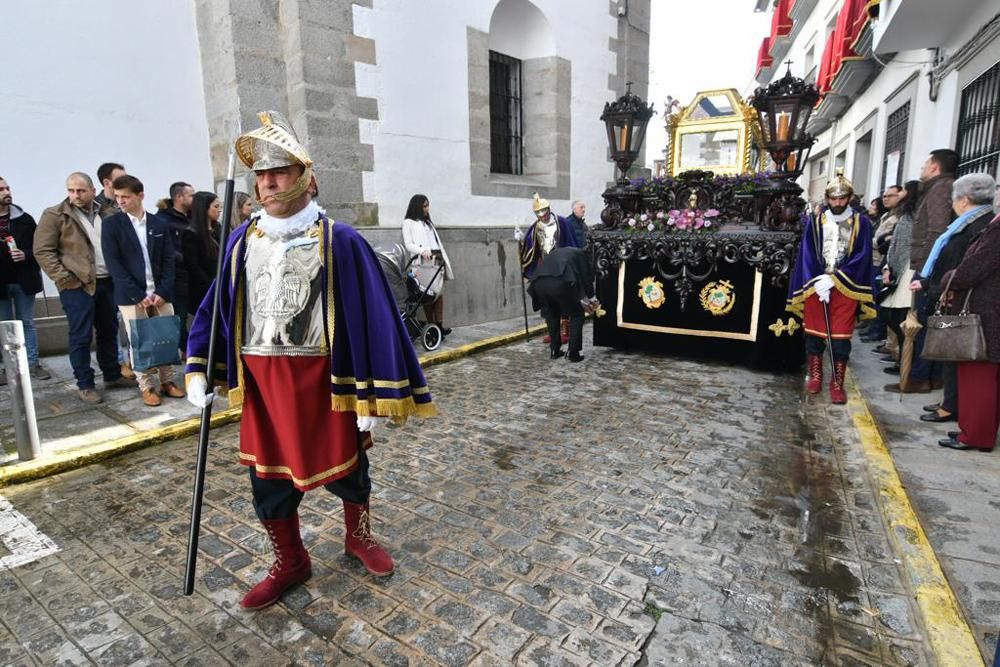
[139,254]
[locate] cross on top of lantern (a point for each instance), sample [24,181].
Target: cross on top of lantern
[783,108]
[626,120]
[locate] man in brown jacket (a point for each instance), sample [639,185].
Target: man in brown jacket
[934,214]
[68,248]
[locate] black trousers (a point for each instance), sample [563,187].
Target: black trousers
[893,318]
[279,499]
[558,300]
[949,376]
[841,347]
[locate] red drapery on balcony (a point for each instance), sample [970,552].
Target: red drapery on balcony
[781,22]
[764,58]
[824,78]
[850,22]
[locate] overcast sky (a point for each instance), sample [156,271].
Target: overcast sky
[700,45]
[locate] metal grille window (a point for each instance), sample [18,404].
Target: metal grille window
[506,150]
[895,146]
[979,125]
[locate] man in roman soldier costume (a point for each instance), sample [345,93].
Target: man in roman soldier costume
[548,231]
[833,274]
[315,353]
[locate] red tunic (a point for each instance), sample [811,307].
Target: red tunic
[288,429]
[843,311]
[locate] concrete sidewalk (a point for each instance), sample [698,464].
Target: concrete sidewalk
[66,424]
[954,494]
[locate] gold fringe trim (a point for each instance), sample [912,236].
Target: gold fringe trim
[397,408]
[235,397]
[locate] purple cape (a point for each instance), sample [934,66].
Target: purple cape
[375,370]
[530,259]
[852,278]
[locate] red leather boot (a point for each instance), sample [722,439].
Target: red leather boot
[359,542]
[291,564]
[814,383]
[837,394]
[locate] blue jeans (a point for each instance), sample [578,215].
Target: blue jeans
[16,301]
[84,314]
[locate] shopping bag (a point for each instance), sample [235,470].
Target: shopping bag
[154,341]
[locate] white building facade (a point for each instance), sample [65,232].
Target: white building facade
[899,78]
[476,105]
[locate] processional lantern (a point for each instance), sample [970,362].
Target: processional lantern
[626,120]
[783,109]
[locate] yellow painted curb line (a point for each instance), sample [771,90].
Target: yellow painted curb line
[79,457]
[949,634]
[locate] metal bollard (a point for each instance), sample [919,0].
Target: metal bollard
[15,360]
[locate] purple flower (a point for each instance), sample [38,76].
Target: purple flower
[631,222]
[643,217]
[650,226]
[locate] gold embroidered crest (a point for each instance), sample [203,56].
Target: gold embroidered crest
[651,292]
[718,298]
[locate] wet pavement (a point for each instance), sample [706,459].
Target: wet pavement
[631,509]
[953,493]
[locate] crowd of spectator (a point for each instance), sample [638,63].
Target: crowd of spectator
[937,241]
[112,262]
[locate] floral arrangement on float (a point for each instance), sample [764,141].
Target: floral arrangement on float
[658,210]
[688,219]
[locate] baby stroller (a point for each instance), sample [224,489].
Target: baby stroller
[411,294]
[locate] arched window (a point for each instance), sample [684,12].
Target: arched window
[519,105]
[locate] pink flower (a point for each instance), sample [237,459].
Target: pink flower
[643,217]
[650,226]
[711,213]
[631,222]
[659,215]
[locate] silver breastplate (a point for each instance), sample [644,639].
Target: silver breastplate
[844,231]
[284,304]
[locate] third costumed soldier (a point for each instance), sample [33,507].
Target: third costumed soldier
[833,270]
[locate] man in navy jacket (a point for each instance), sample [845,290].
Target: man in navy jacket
[139,254]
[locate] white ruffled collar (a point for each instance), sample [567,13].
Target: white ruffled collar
[838,218]
[292,225]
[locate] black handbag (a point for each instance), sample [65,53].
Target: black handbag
[887,288]
[954,337]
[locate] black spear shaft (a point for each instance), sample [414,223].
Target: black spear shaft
[524,299]
[829,338]
[206,412]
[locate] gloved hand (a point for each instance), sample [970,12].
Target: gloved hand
[518,235]
[367,424]
[823,286]
[196,392]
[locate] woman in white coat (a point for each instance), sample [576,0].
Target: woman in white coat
[421,240]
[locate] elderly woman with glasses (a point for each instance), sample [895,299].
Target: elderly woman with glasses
[977,271]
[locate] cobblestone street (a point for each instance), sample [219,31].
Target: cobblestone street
[628,509]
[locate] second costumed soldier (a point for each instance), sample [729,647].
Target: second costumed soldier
[547,232]
[315,352]
[833,270]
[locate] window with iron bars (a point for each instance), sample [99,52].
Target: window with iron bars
[506,129]
[895,140]
[978,140]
